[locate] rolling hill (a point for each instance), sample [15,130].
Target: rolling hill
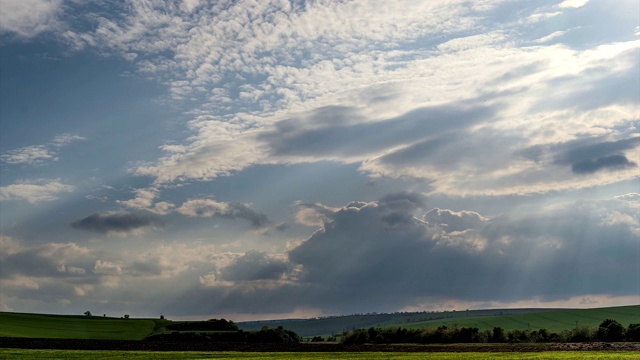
[551,319]
[97,327]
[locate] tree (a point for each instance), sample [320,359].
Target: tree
[633,332]
[498,335]
[611,330]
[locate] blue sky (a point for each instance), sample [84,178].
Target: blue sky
[299,158]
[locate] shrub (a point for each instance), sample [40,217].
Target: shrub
[633,332]
[610,330]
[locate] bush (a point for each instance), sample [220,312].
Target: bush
[580,334]
[633,332]
[611,330]
[498,335]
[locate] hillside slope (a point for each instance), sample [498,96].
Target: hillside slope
[73,327]
[551,319]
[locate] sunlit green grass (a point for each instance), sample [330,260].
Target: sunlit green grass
[556,320]
[521,319]
[82,354]
[73,327]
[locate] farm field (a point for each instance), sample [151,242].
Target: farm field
[521,319]
[556,320]
[107,354]
[98,327]
[74,326]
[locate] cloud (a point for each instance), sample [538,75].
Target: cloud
[117,223]
[232,210]
[144,200]
[107,268]
[590,155]
[28,18]
[451,221]
[556,253]
[66,139]
[274,84]
[34,191]
[31,155]
[308,138]
[255,265]
[58,260]
[39,154]
[572,3]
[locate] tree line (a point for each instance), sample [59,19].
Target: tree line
[609,330]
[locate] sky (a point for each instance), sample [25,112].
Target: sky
[276,159]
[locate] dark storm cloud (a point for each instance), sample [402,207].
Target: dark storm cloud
[561,253]
[121,222]
[607,162]
[480,148]
[233,210]
[255,265]
[296,138]
[356,262]
[242,211]
[48,260]
[586,156]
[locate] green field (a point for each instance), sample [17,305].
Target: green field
[74,327]
[78,354]
[556,320]
[508,319]
[97,327]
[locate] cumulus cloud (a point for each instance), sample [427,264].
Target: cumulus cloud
[357,256]
[233,210]
[144,200]
[60,260]
[454,220]
[34,191]
[255,265]
[117,223]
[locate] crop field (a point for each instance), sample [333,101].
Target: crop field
[521,319]
[556,320]
[107,354]
[98,327]
[74,327]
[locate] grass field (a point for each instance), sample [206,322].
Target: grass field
[74,327]
[97,327]
[78,354]
[556,320]
[522,319]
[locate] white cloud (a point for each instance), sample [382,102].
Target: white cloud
[107,268]
[66,139]
[31,155]
[28,18]
[573,3]
[34,191]
[39,154]
[203,208]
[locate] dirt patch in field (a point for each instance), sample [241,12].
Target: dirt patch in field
[80,344]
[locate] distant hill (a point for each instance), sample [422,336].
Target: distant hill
[522,319]
[74,326]
[98,327]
